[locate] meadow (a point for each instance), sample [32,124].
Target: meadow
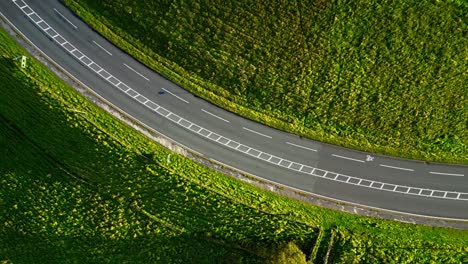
[78,185]
[387,77]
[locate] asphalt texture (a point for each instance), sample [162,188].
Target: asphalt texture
[415,187]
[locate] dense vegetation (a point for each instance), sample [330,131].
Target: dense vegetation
[386,77]
[77,185]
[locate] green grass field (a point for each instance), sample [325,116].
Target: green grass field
[77,185]
[388,77]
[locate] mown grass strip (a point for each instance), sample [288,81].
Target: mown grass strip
[202,215]
[319,250]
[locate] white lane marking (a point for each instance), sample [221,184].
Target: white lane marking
[299,146]
[102,48]
[338,156]
[175,95]
[211,114]
[141,75]
[448,174]
[393,167]
[60,14]
[258,133]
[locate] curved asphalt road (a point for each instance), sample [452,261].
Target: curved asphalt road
[414,187]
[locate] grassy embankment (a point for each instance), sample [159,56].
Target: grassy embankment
[77,185]
[388,77]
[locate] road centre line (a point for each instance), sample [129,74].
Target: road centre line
[299,146]
[258,133]
[338,156]
[215,116]
[102,48]
[60,14]
[393,167]
[448,174]
[142,76]
[175,95]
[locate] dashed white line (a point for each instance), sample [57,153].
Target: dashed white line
[448,174]
[175,95]
[60,14]
[299,146]
[102,48]
[258,133]
[211,114]
[393,167]
[343,157]
[141,75]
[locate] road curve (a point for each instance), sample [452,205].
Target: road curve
[435,190]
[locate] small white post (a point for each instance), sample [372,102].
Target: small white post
[23,61]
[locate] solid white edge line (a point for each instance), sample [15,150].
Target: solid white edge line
[258,133]
[175,95]
[141,75]
[102,48]
[299,146]
[393,167]
[233,168]
[227,121]
[448,174]
[338,156]
[60,14]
